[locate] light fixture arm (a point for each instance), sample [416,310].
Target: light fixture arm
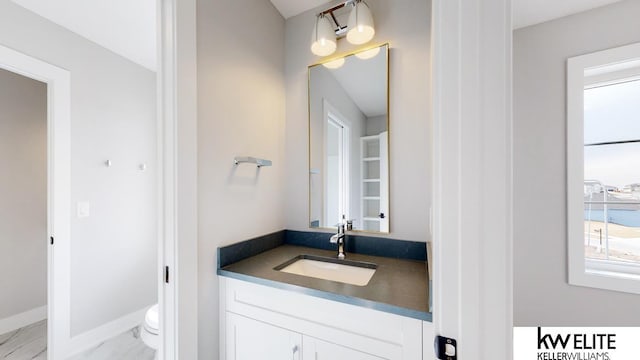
[341,29]
[339,6]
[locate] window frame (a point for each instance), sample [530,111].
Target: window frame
[600,274]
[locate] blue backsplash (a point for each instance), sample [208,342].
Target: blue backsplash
[359,244]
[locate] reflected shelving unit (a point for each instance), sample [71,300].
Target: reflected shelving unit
[374,177]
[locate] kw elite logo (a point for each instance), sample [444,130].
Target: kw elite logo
[575,346]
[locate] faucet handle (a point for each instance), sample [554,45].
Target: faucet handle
[349,225]
[345,225]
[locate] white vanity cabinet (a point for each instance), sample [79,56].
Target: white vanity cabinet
[262,322]
[249,339]
[316,349]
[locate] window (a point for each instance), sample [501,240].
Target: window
[603,159]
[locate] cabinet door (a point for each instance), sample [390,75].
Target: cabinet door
[249,339]
[315,349]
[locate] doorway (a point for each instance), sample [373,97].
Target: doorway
[56,232]
[23,215]
[337,174]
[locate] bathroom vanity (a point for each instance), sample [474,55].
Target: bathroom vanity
[267,313]
[292,294]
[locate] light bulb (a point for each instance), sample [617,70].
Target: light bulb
[323,37]
[360,24]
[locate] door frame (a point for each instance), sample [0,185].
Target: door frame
[58,191]
[473,182]
[178,180]
[472,126]
[331,115]
[177,210]
[332,122]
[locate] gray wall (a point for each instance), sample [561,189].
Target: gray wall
[241,104]
[376,125]
[542,295]
[113,252]
[23,190]
[405,25]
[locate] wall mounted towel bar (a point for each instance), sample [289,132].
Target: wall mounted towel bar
[251,160]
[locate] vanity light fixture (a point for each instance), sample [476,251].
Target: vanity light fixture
[329,27]
[323,37]
[360,24]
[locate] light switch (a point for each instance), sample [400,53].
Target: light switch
[84,209]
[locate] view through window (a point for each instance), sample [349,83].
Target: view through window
[612,172]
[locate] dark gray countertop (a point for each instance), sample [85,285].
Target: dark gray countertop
[398,286]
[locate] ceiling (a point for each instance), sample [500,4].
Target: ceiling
[365,81]
[525,12]
[289,8]
[126,27]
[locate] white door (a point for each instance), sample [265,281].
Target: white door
[337,152]
[335,184]
[315,349]
[249,339]
[472,170]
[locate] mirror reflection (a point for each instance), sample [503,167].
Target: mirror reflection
[348,141]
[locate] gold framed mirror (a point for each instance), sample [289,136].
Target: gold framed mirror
[349,141]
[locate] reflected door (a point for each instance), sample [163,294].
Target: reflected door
[336,183]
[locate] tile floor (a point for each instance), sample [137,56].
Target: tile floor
[30,342]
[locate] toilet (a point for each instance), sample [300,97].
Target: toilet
[150,329]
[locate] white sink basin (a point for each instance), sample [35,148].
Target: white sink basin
[348,272]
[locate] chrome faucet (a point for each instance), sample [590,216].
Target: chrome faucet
[339,238]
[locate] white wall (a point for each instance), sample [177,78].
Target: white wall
[542,295]
[241,112]
[405,25]
[23,190]
[325,87]
[114,256]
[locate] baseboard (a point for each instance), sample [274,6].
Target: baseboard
[23,319]
[95,337]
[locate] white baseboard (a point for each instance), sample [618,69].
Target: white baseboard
[95,337]
[23,319]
